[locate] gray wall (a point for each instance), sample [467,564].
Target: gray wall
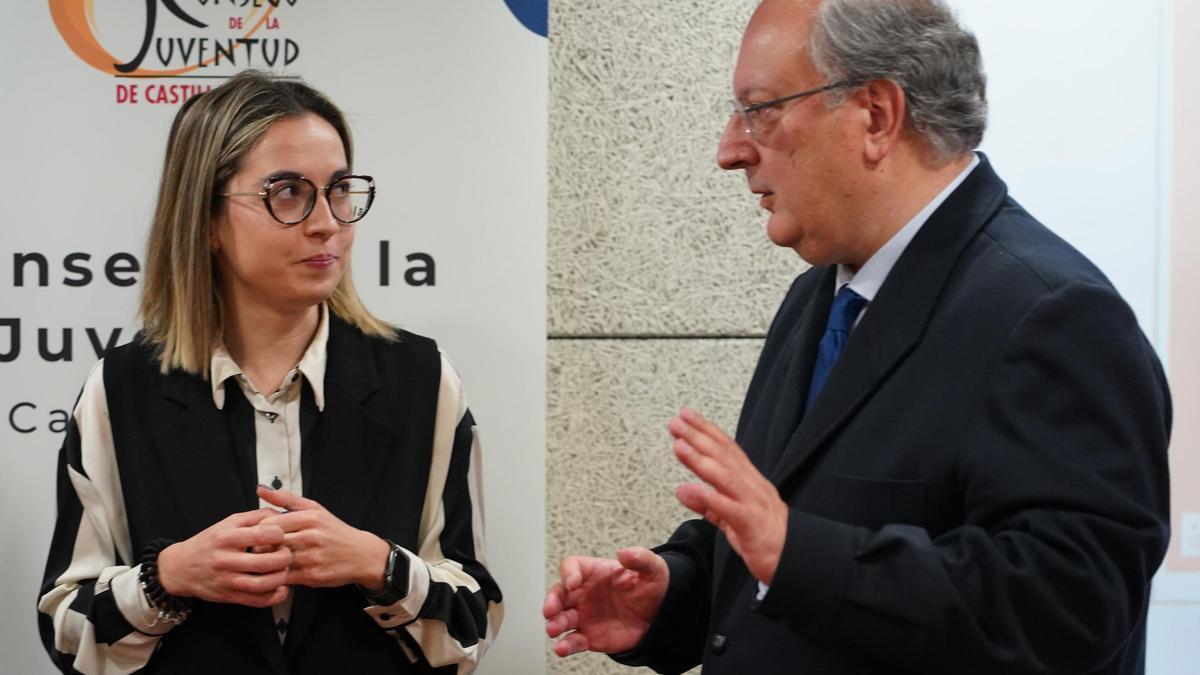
[661,281]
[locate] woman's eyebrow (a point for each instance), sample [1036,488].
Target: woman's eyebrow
[281,175]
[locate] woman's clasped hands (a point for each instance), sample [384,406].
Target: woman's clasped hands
[252,558]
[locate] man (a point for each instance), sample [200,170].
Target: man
[952,456]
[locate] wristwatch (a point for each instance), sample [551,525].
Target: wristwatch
[395,578]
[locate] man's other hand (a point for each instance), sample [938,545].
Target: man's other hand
[605,605]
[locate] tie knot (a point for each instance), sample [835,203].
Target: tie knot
[846,307]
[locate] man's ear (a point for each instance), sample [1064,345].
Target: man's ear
[887,108]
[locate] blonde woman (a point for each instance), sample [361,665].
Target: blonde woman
[268,478]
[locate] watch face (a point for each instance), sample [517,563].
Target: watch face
[391,566]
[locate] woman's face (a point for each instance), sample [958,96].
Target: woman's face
[268,265]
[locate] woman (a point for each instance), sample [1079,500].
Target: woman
[268,478]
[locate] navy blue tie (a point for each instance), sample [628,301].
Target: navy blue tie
[846,307]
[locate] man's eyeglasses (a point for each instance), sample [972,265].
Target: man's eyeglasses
[291,200]
[749,113]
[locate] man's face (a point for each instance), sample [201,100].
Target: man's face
[801,158]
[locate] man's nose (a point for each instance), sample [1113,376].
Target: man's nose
[736,149]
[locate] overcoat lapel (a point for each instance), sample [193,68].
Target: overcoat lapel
[895,321]
[778,405]
[347,444]
[800,354]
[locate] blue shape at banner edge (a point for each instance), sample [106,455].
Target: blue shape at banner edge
[531,14]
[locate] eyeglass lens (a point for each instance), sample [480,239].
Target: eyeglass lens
[292,199]
[736,110]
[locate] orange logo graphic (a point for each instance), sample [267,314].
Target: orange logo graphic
[76,21]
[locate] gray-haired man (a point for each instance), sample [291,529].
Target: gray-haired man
[952,456]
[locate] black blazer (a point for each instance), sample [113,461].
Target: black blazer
[981,487]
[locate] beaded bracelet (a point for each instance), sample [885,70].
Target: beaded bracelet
[171,609]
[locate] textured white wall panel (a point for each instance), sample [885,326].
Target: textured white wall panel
[611,475]
[647,235]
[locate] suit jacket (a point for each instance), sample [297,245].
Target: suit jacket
[980,487]
[185,464]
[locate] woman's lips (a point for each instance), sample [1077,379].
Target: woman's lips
[320,261]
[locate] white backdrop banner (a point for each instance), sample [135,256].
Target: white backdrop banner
[447,103]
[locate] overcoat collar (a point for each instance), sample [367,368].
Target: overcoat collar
[896,319]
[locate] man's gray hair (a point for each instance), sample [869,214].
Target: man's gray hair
[919,45]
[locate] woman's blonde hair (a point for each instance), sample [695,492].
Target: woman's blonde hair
[181,307]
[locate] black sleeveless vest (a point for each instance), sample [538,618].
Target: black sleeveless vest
[185,465]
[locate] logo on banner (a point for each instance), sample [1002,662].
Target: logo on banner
[173,40]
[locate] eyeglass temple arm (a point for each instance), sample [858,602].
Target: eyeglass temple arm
[774,102]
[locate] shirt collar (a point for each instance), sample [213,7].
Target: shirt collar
[871,275]
[312,365]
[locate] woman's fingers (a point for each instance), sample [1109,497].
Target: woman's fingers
[285,499]
[268,599]
[258,584]
[255,563]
